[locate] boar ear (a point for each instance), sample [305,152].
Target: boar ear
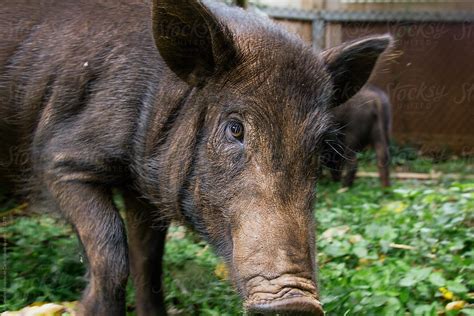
[351,64]
[193,43]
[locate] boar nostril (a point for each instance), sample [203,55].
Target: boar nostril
[293,306]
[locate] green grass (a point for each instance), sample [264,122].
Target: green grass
[408,159]
[362,270]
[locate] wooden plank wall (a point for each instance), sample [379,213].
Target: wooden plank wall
[354,6]
[430,80]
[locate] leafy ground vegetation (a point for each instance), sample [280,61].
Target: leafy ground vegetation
[404,251]
[408,159]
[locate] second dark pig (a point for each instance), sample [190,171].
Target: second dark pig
[363,121]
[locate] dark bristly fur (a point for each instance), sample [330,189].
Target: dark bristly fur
[114,94]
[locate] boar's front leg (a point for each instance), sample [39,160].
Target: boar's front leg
[89,208]
[146,243]
[352,165]
[382,152]
[336,167]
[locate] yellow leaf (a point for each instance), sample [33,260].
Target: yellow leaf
[70,305]
[364,261]
[395,207]
[40,309]
[455,306]
[47,310]
[382,258]
[221,271]
[37,304]
[447,294]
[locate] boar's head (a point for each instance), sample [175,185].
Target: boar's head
[260,99]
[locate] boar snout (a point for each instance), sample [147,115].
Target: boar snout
[273,262]
[291,306]
[286,295]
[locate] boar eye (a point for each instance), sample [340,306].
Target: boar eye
[235,130]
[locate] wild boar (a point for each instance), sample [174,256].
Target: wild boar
[365,120]
[197,112]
